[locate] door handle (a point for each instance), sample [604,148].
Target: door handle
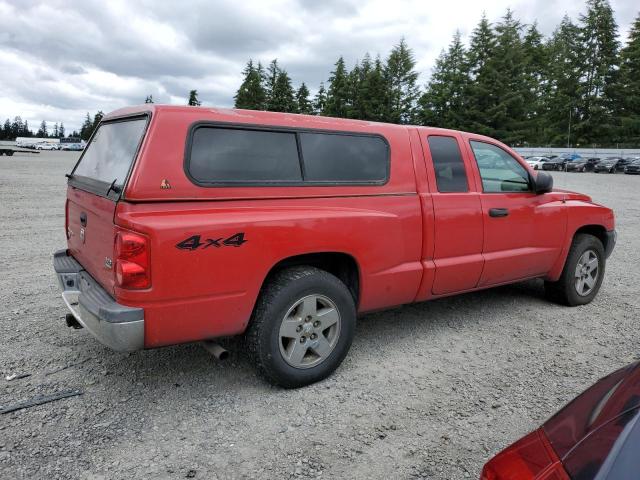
[83,219]
[498,212]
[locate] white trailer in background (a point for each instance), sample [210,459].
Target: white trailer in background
[28,142]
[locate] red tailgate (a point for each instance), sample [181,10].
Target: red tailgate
[90,234]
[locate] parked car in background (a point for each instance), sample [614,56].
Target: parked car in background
[556,163]
[581,164]
[633,167]
[570,156]
[596,436]
[536,162]
[74,147]
[610,165]
[46,146]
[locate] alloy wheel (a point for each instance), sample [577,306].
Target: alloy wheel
[587,272]
[309,331]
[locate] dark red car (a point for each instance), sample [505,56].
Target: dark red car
[595,437]
[187,224]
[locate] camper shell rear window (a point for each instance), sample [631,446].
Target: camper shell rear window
[107,159]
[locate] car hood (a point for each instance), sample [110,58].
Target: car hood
[590,433]
[610,397]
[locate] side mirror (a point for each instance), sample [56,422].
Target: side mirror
[543,183]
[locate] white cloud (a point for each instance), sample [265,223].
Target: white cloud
[61,59]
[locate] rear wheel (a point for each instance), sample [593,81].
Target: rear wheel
[582,275]
[9,154]
[302,326]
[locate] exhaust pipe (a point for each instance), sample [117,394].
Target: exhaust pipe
[72,322]
[216,350]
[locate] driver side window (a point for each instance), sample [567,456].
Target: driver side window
[500,172]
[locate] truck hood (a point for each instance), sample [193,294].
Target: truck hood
[569,195]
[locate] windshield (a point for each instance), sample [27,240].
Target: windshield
[110,153]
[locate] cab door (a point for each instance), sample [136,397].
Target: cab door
[457,214]
[523,231]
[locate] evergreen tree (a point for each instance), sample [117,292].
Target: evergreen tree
[337,103]
[402,84]
[42,131]
[60,130]
[7,129]
[599,47]
[303,103]
[96,120]
[87,128]
[149,99]
[355,95]
[443,103]
[507,116]
[536,64]
[320,100]
[282,97]
[359,88]
[26,131]
[626,91]
[376,99]
[563,76]
[193,99]
[269,80]
[251,95]
[55,133]
[480,95]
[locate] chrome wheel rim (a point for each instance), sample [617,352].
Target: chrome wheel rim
[587,272]
[309,331]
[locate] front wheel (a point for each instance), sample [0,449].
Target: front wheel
[582,275]
[302,326]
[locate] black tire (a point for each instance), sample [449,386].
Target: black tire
[564,291]
[9,154]
[281,292]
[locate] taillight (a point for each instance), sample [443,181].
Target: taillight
[132,260]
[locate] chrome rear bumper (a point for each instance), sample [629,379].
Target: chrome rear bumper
[117,326]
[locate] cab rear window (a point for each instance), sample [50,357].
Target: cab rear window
[109,155]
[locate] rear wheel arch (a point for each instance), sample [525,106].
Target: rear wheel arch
[341,265]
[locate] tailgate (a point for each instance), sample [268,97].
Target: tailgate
[90,233]
[94,190]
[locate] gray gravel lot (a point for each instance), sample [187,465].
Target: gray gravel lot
[428,391]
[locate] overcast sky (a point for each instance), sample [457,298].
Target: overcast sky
[61,59]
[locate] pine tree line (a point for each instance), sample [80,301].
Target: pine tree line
[578,87]
[372,90]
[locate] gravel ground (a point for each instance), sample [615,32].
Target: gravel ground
[428,391]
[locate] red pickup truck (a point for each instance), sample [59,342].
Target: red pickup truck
[186,224]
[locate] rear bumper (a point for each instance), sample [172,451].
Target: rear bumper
[612,237]
[117,326]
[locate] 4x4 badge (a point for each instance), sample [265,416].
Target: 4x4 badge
[194,242]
